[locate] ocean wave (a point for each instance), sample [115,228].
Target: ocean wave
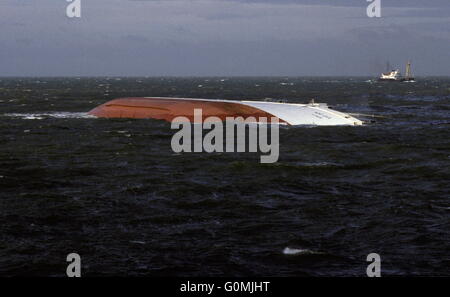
[45,115]
[294,251]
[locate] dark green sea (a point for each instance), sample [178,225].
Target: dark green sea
[113,191]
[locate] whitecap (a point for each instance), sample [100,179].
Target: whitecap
[137,241]
[57,115]
[294,251]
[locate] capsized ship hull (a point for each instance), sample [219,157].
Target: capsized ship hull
[168,109]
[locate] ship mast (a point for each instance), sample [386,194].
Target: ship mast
[408,70]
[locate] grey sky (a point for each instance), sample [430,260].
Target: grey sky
[222,37]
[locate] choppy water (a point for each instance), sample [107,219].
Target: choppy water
[113,191]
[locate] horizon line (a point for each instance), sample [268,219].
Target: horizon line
[196,76]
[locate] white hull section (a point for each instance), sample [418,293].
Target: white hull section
[312,114]
[316,114]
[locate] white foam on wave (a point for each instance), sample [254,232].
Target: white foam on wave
[45,115]
[294,251]
[317,164]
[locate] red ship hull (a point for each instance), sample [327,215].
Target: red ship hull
[169,108]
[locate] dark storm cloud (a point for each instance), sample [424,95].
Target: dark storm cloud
[222,37]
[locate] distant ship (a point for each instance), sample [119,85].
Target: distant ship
[395,75]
